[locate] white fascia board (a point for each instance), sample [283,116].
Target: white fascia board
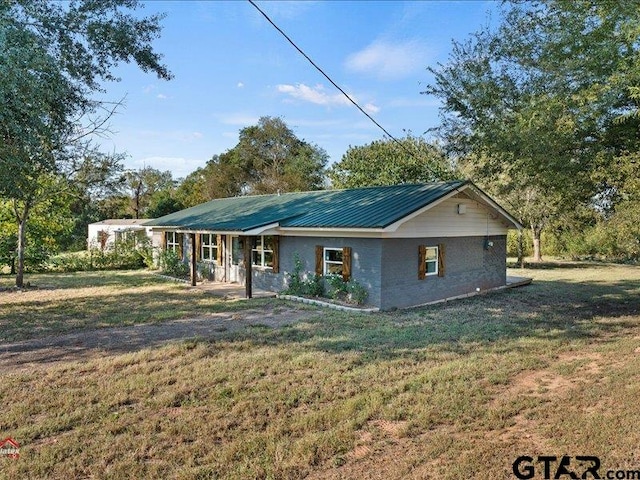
[270,228]
[331,232]
[261,230]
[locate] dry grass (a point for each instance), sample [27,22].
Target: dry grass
[59,303]
[446,392]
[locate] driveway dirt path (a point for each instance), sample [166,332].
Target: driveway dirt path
[87,344]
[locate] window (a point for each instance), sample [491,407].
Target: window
[262,251]
[173,241]
[431,260]
[209,247]
[333,261]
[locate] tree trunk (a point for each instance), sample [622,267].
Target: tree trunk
[536,231]
[521,248]
[22,236]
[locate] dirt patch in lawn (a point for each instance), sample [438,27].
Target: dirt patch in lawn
[92,343]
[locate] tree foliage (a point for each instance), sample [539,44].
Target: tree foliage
[539,110]
[387,162]
[53,57]
[268,158]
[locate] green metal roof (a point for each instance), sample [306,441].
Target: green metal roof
[370,207]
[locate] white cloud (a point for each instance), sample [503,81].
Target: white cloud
[162,96]
[370,108]
[315,94]
[389,61]
[240,85]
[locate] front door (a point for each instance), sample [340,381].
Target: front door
[234,256]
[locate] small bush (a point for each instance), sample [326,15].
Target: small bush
[171,264]
[298,285]
[124,255]
[349,292]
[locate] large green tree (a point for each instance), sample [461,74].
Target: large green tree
[389,162]
[268,158]
[53,58]
[530,107]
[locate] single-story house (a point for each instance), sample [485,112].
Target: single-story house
[406,244]
[107,233]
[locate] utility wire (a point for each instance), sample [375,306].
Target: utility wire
[252,2]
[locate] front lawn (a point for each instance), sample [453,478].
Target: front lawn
[452,391]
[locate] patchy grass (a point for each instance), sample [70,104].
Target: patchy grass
[63,302]
[450,391]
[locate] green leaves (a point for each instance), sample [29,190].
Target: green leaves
[385,162]
[537,106]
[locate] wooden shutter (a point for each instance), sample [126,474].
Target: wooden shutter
[276,254]
[219,249]
[441,259]
[346,263]
[319,260]
[180,237]
[163,241]
[422,262]
[198,246]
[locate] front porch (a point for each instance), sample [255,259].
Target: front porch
[232,291]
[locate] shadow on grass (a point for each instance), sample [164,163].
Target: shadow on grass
[75,280]
[560,265]
[554,310]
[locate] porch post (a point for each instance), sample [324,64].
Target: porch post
[247,266]
[193,260]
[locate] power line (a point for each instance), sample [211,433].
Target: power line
[438,175]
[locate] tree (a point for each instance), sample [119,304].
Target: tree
[53,57]
[387,162]
[268,158]
[142,185]
[527,107]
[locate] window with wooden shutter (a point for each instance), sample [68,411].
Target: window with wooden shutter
[319,260]
[430,262]
[346,263]
[441,260]
[422,262]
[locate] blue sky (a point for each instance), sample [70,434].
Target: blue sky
[232,67]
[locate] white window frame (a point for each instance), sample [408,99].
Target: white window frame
[326,261]
[209,244]
[259,251]
[433,261]
[173,241]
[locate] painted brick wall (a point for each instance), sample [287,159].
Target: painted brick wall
[389,268]
[365,263]
[468,265]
